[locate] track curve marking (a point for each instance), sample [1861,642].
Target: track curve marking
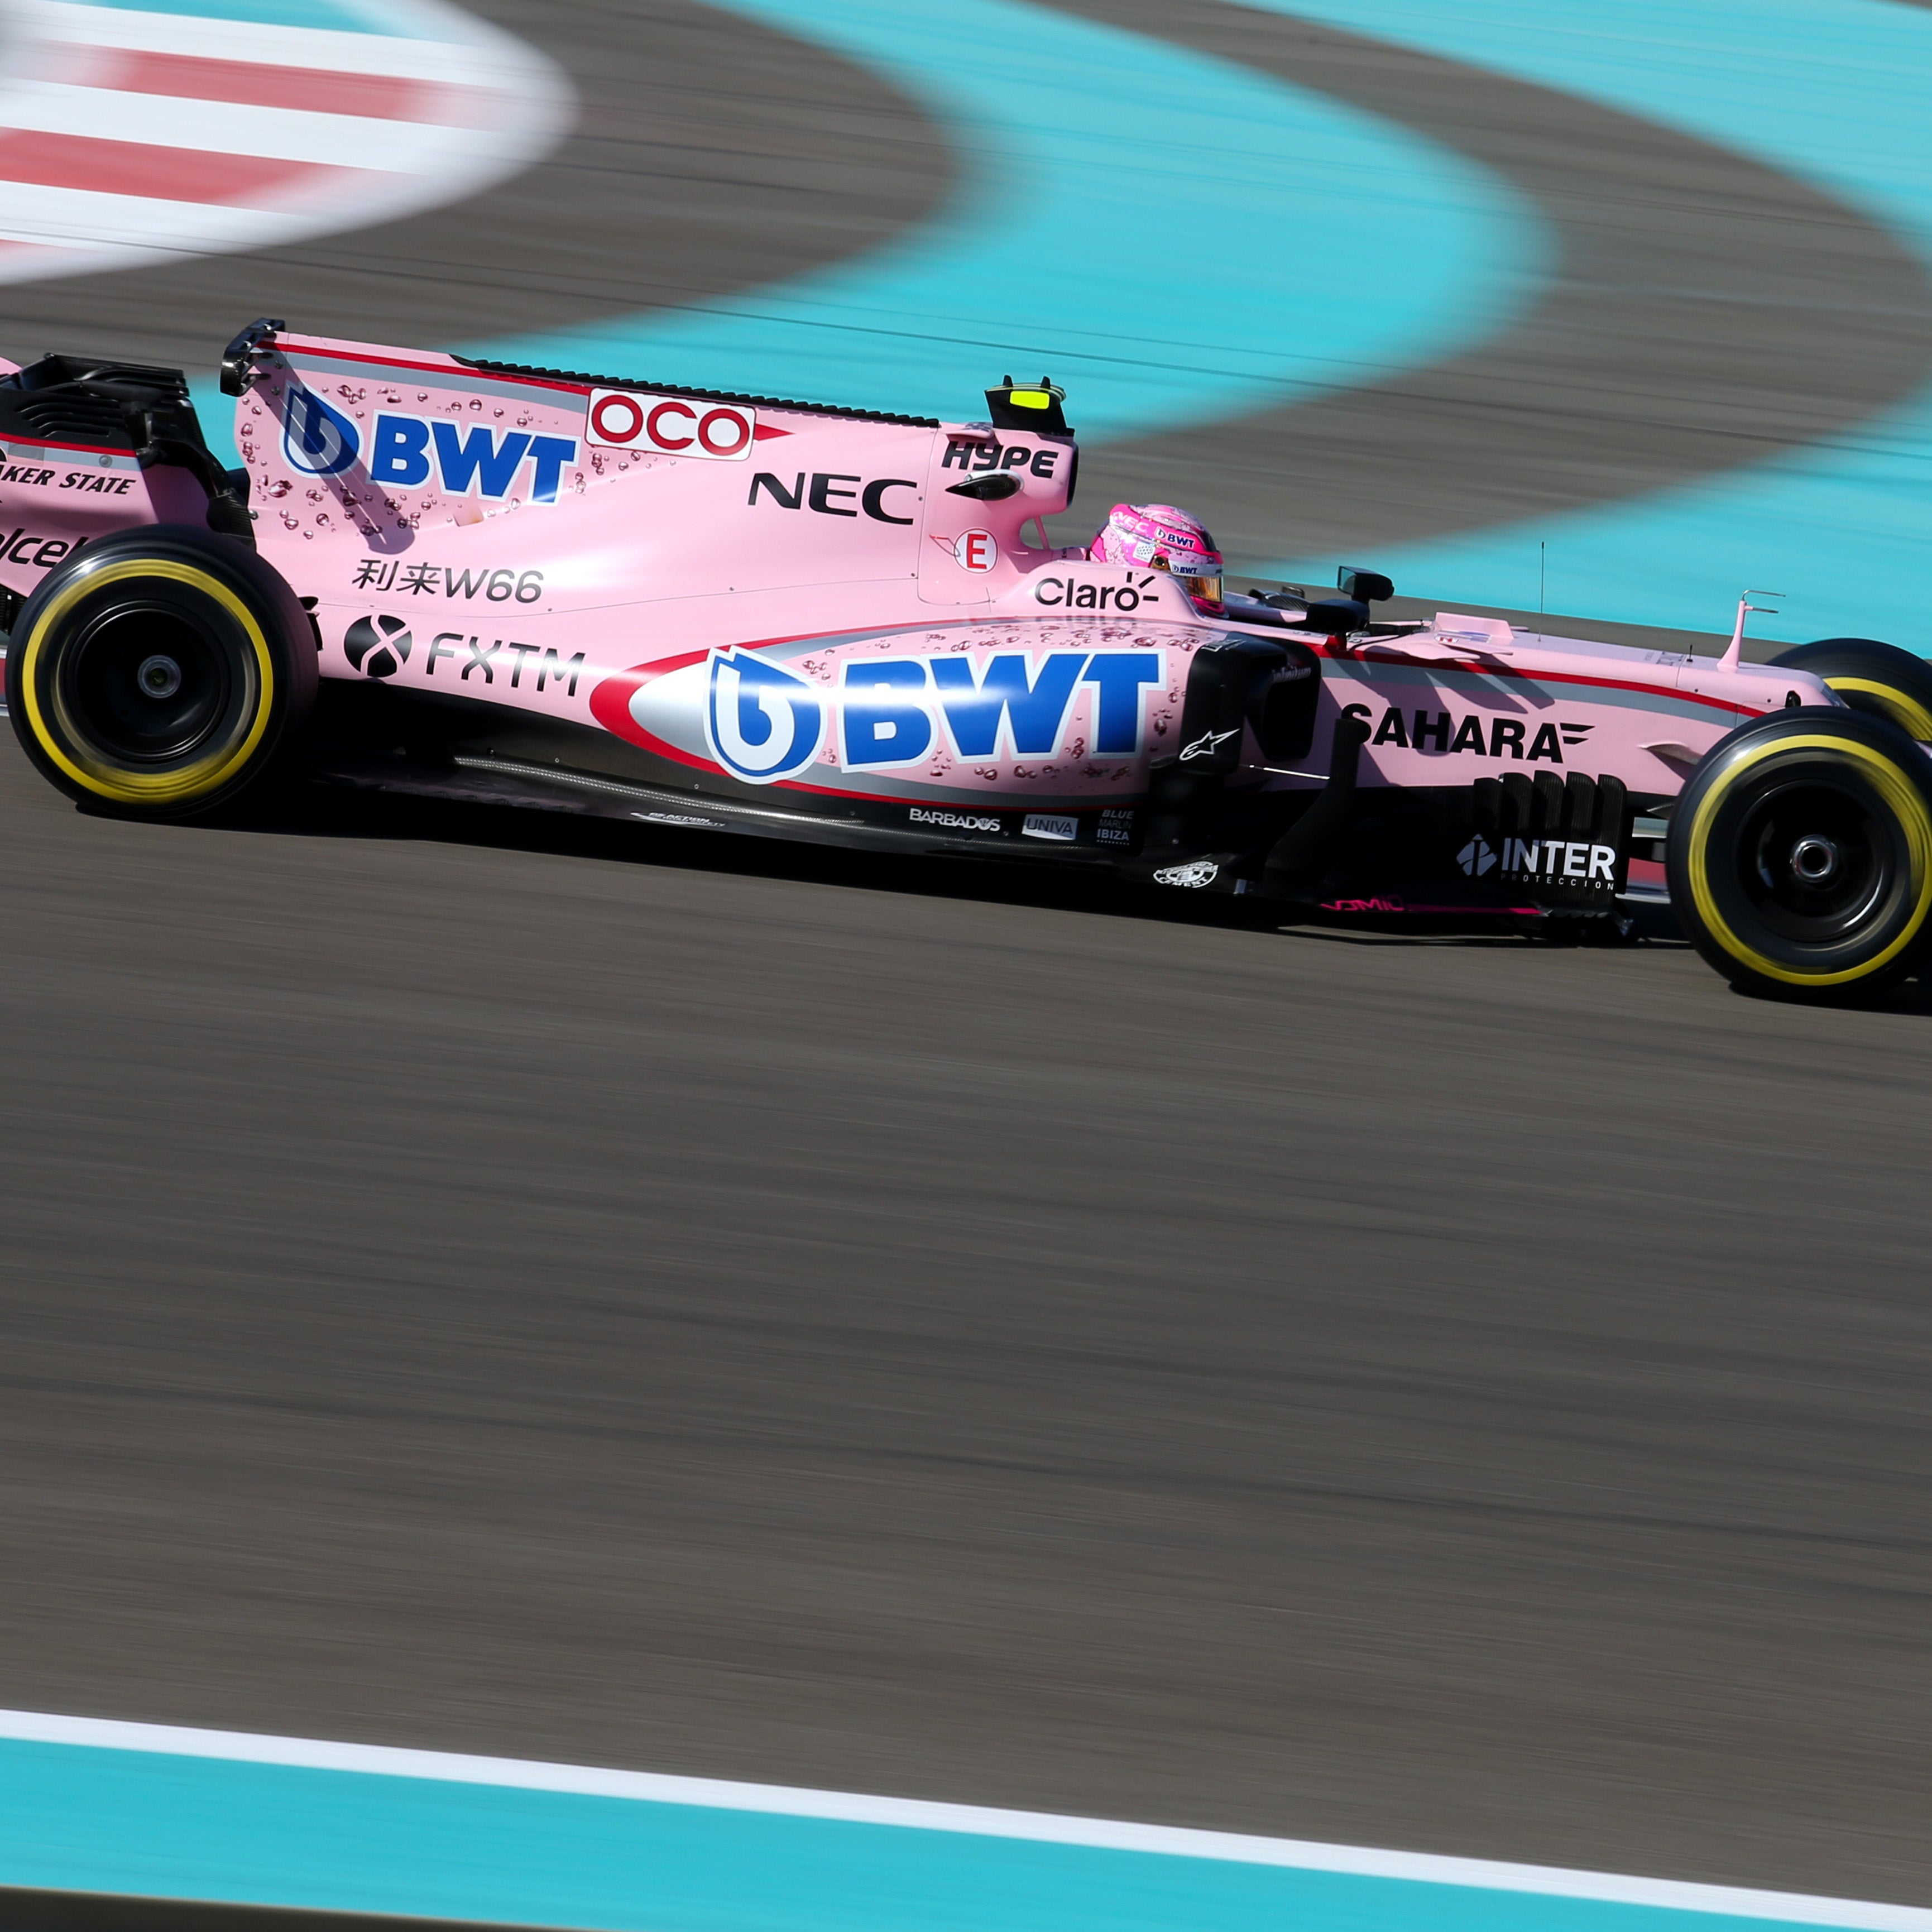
[169,1812]
[1831,92]
[1101,170]
[135,136]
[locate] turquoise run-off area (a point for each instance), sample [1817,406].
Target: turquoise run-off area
[83,1817]
[1045,258]
[1100,170]
[1832,92]
[1050,253]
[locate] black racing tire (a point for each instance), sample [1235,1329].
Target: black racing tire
[1879,679]
[161,672]
[1800,855]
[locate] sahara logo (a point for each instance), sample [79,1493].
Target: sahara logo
[1488,738]
[761,722]
[405,452]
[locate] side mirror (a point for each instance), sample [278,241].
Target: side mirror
[1365,586]
[1334,617]
[993,487]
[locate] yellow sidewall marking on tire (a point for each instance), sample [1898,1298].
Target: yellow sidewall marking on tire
[1905,711]
[1893,786]
[191,782]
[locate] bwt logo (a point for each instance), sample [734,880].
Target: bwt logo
[406,452]
[763,723]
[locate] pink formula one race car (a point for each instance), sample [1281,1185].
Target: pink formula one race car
[797,621]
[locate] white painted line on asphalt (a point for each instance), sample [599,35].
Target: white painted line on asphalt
[237,127]
[392,1761]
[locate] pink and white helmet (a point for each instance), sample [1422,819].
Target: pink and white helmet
[1164,538]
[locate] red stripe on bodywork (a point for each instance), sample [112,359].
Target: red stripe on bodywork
[1493,670]
[298,351]
[154,173]
[379,97]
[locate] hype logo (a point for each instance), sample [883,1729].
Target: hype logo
[316,440]
[761,722]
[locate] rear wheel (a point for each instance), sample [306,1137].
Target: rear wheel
[1879,679]
[1800,855]
[160,673]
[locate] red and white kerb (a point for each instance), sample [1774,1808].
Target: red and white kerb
[671,425]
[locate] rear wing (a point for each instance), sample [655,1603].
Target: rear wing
[90,446]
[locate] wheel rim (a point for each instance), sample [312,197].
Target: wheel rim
[1808,859]
[1816,862]
[146,687]
[88,712]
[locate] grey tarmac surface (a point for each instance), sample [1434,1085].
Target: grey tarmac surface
[494,1283]
[499,1283]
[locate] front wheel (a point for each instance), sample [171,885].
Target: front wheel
[1878,678]
[160,673]
[1800,855]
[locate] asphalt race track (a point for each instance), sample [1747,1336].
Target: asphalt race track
[490,1281]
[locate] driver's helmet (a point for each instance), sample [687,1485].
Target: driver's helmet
[1159,536]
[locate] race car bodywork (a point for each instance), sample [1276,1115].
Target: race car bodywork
[736,614]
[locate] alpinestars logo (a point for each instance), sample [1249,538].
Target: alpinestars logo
[377,646]
[1208,744]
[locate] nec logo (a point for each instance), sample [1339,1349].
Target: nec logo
[405,452]
[828,494]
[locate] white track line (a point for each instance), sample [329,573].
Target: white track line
[786,1801]
[233,127]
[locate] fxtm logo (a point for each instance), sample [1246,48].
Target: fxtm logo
[406,452]
[828,496]
[712,432]
[1425,731]
[378,647]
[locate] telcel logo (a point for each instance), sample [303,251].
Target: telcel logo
[671,425]
[405,452]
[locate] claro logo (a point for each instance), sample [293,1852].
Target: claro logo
[1074,593]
